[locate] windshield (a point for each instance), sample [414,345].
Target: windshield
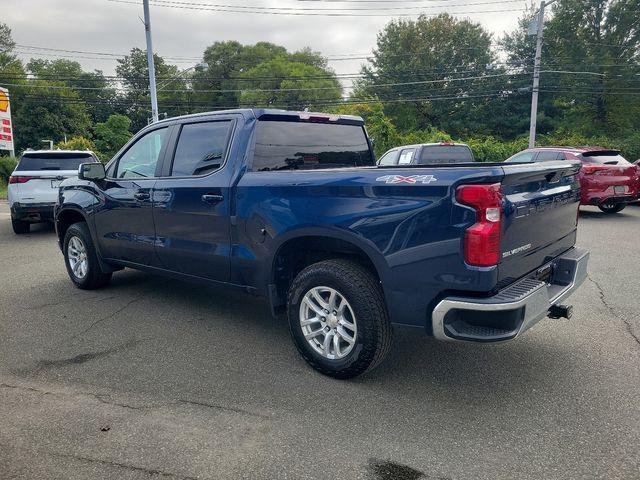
[53,161]
[304,146]
[446,154]
[605,158]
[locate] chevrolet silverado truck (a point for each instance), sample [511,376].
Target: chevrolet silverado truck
[291,206]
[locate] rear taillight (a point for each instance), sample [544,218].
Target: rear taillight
[591,169]
[20,179]
[482,239]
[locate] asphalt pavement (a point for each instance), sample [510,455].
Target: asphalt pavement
[157,378]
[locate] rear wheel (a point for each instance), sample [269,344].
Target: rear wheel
[338,318]
[612,207]
[20,227]
[81,260]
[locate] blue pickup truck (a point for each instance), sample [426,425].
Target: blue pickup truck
[291,206]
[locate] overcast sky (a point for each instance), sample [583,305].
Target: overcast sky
[106,26]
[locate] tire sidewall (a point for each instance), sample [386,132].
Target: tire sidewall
[325,278]
[77,230]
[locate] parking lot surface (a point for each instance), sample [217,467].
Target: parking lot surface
[156,378]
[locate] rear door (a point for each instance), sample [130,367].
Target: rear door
[40,174]
[192,201]
[540,215]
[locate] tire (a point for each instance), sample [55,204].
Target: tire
[88,276]
[20,227]
[608,207]
[365,309]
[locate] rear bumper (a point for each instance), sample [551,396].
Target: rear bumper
[32,212]
[514,309]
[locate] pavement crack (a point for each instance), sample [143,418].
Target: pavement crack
[612,310]
[110,316]
[28,389]
[152,472]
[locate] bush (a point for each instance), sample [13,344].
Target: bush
[7,165]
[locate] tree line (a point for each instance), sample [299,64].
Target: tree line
[428,79]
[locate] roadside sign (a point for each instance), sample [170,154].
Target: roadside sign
[6,129]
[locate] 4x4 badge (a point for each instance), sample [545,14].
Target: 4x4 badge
[411,179]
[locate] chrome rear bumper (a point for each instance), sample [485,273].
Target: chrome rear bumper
[514,309]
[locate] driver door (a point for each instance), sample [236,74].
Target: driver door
[124,223]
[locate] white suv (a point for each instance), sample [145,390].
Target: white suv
[33,185]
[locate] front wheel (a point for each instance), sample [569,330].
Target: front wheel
[338,318]
[611,207]
[81,260]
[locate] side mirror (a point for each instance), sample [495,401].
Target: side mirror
[91,172]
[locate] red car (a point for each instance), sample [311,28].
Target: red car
[607,180]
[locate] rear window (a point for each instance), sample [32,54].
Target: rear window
[445,154]
[306,146]
[605,158]
[53,161]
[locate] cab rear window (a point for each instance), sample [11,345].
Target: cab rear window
[53,161]
[305,146]
[446,154]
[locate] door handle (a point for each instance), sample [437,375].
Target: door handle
[212,198]
[141,196]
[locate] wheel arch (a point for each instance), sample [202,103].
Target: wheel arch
[301,248]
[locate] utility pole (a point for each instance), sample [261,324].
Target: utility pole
[152,70]
[536,74]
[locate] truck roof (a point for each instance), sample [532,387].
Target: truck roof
[272,113]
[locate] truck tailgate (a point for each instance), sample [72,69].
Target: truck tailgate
[540,215]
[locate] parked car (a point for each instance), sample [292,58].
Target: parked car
[33,185]
[291,206]
[428,154]
[607,180]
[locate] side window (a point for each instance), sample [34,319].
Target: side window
[547,156]
[389,158]
[522,157]
[140,160]
[406,156]
[201,148]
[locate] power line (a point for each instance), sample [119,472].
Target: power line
[192,6]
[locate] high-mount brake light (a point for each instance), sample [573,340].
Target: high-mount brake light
[447,144]
[20,178]
[482,239]
[314,117]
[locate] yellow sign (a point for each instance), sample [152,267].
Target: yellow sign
[4,101]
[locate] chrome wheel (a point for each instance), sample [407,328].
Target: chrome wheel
[328,322]
[77,257]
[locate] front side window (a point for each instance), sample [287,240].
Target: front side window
[389,158]
[140,160]
[305,146]
[201,148]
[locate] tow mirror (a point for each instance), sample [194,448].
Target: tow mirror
[91,171]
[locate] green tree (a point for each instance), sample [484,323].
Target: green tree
[136,103]
[287,84]
[77,143]
[601,37]
[111,135]
[442,53]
